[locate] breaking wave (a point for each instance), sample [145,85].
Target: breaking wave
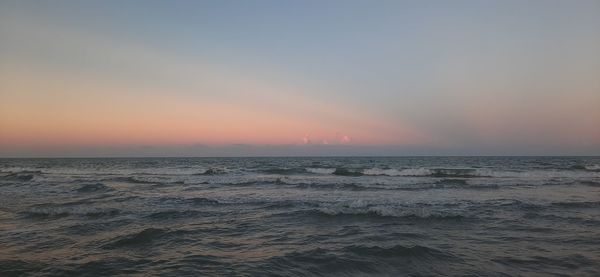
[320,170]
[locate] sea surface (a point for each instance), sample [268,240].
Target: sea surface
[404,216]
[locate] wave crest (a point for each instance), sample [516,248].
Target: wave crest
[140,238]
[213,171]
[320,170]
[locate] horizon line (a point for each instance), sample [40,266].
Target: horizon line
[286,156]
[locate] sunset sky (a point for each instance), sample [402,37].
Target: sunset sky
[237,78]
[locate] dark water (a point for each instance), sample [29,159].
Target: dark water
[417,216]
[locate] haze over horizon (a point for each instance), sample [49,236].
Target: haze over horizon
[297,78]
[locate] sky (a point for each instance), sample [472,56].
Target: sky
[295,78]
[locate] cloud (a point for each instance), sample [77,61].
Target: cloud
[345,139]
[306,139]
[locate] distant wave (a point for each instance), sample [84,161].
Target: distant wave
[373,211]
[416,251]
[590,171]
[19,175]
[97,187]
[320,170]
[140,238]
[314,170]
[586,204]
[138,180]
[175,214]
[193,201]
[132,180]
[21,171]
[336,186]
[284,171]
[590,183]
[430,172]
[202,201]
[440,184]
[347,172]
[438,172]
[213,171]
[63,211]
[532,206]
[383,212]
[409,172]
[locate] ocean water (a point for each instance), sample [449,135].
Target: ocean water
[417,216]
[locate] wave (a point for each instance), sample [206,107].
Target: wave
[136,180]
[140,238]
[570,262]
[358,209]
[590,183]
[581,171]
[359,260]
[132,180]
[284,171]
[21,176]
[446,183]
[320,170]
[452,181]
[23,171]
[408,172]
[213,171]
[479,173]
[586,204]
[148,237]
[577,167]
[97,187]
[17,267]
[417,251]
[202,201]
[347,172]
[528,206]
[174,214]
[429,172]
[315,262]
[334,186]
[57,212]
[110,266]
[442,184]
[177,201]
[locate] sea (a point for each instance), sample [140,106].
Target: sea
[300,216]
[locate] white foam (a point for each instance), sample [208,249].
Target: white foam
[320,170]
[395,172]
[593,167]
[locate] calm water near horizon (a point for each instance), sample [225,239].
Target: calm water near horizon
[381,216]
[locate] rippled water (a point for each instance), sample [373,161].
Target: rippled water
[300,216]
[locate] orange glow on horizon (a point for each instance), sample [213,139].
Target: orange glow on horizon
[80,112]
